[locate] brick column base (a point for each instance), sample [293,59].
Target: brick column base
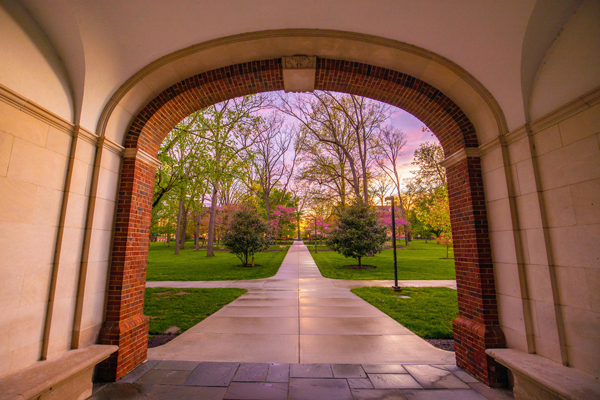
[131,335]
[470,341]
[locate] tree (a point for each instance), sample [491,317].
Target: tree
[246,234]
[228,130]
[437,216]
[390,143]
[269,158]
[358,232]
[347,123]
[430,175]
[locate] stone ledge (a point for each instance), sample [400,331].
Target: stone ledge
[44,377]
[539,378]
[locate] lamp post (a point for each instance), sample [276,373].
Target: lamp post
[395,288]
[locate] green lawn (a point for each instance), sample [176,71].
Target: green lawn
[191,265]
[428,313]
[417,261]
[184,308]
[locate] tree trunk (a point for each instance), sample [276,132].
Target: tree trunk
[268,209]
[447,250]
[211,223]
[198,233]
[178,231]
[405,235]
[298,227]
[425,239]
[169,239]
[184,231]
[253,260]
[359,262]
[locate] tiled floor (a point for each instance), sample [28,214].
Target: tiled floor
[261,381]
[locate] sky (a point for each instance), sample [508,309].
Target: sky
[412,127]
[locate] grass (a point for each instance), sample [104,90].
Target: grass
[192,265]
[428,313]
[184,308]
[419,261]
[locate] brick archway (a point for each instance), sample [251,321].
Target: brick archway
[476,328]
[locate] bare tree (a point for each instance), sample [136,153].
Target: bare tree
[269,154]
[345,122]
[390,143]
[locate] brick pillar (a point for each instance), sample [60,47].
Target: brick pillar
[125,324]
[477,327]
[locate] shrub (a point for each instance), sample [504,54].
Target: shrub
[246,234]
[358,233]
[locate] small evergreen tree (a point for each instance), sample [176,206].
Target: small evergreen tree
[358,232]
[246,234]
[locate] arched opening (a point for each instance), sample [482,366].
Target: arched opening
[477,327]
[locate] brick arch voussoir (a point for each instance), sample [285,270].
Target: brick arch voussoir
[156,120]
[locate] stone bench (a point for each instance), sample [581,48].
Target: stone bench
[68,377]
[538,378]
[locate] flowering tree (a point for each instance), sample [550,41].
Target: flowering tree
[282,219]
[385,217]
[322,227]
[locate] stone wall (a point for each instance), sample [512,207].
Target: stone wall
[547,268]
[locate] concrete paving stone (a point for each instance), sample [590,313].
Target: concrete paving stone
[348,371]
[378,394]
[251,372]
[278,372]
[431,377]
[165,392]
[384,369]
[164,377]
[257,391]
[316,389]
[332,302]
[212,374]
[254,311]
[341,311]
[139,371]
[271,294]
[442,395]
[311,371]
[462,374]
[252,326]
[393,381]
[178,365]
[229,348]
[370,349]
[265,302]
[356,383]
[352,326]
[121,391]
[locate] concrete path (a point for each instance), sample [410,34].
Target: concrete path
[298,316]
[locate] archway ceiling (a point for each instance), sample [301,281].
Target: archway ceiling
[107,42]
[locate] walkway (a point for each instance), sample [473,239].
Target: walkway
[298,316]
[298,336]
